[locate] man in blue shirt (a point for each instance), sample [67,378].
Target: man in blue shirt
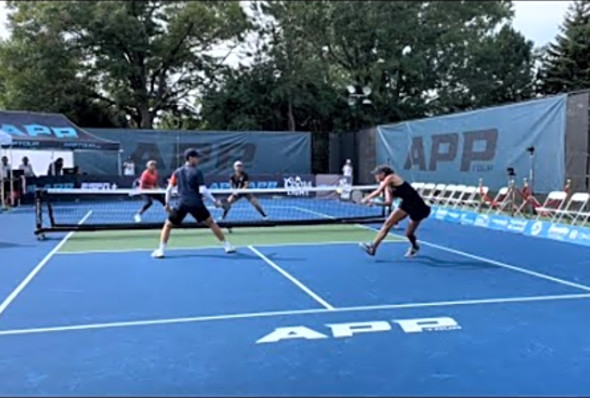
[191,189]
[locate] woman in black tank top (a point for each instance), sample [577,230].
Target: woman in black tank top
[412,205]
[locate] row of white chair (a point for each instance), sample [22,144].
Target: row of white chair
[451,195]
[559,206]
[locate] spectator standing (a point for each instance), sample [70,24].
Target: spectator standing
[56,168]
[26,167]
[347,171]
[129,167]
[4,180]
[5,168]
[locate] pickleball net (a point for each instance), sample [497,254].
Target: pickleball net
[94,210]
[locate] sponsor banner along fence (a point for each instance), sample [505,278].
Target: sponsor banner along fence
[534,228]
[261,152]
[463,147]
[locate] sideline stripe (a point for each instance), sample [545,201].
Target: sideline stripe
[171,321]
[295,281]
[13,295]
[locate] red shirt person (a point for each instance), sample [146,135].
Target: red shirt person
[148,181]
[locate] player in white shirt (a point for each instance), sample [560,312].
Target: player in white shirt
[27,168]
[347,171]
[129,168]
[5,168]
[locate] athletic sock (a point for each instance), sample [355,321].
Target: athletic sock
[162,247]
[412,239]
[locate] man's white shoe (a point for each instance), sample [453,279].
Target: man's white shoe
[137,218]
[229,249]
[158,253]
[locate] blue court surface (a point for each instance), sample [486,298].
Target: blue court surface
[477,312]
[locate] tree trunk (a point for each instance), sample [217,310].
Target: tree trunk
[146,117]
[290,116]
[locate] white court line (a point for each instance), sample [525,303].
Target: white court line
[478,258]
[297,244]
[254,315]
[507,266]
[287,275]
[13,295]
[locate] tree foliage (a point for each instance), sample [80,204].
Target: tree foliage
[418,58]
[566,61]
[140,57]
[143,59]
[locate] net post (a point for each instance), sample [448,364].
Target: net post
[38,211]
[2,193]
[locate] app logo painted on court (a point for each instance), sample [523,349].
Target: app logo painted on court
[345,330]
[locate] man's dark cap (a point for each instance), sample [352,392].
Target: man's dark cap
[191,153]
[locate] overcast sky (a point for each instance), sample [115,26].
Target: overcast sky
[537,20]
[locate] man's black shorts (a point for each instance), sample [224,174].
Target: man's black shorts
[416,213]
[199,212]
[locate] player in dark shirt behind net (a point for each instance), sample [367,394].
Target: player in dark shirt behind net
[191,189]
[240,180]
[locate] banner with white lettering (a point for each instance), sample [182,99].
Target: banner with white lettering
[261,152]
[461,148]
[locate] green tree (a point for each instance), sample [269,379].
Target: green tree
[53,87]
[424,57]
[566,61]
[140,57]
[500,70]
[287,87]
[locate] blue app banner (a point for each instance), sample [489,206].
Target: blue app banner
[261,152]
[463,147]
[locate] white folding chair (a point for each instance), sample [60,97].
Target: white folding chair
[442,198]
[437,191]
[552,205]
[575,209]
[470,198]
[428,191]
[500,201]
[456,196]
[418,186]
